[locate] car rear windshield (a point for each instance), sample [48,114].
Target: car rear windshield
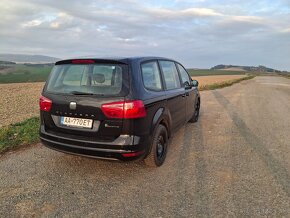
[89,79]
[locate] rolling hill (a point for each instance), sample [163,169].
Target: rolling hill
[23,58]
[244,68]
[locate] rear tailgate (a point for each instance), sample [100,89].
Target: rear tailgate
[78,89]
[87,108]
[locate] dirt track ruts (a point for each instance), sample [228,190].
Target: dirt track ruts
[235,162]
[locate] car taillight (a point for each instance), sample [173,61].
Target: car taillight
[124,109]
[45,103]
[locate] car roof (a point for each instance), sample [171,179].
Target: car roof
[125,60]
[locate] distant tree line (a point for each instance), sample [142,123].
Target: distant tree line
[247,68]
[39,65]
[7,62]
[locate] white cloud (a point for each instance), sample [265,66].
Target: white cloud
[249,19]
[55,25]
[286,30]
[198,33]
[32,23]
[185,14]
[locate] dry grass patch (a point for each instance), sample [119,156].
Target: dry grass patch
[208,80]
[217,84]
[19,101]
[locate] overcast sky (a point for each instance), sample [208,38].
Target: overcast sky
[198,33]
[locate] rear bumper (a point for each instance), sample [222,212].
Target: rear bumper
[124,148]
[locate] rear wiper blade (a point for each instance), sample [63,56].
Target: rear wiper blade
[81,93]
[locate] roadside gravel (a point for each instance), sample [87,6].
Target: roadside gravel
[234,162]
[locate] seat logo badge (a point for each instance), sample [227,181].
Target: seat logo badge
[73,105]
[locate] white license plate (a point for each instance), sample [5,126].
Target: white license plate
[76,122]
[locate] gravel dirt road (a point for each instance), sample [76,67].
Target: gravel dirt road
[235,162]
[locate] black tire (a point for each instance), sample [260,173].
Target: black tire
[196,112]
[158,151]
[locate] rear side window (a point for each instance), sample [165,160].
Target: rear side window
[151,76]
[98,79]
[170,74]
[184,75]
[73,76]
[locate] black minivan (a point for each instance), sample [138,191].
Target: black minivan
[117,108]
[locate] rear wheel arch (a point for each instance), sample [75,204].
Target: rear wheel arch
[165,123]
[161,117]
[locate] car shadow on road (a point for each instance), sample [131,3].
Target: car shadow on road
[191,173]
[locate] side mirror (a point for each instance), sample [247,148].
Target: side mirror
[187,85]
[194,83]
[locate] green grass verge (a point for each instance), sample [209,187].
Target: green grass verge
[214,72]
[22,73]
[224,84]
[22,133]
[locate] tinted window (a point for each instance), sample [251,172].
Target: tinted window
[73,76]
[151,76]
[99,79]
[184,75]
[170,74]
